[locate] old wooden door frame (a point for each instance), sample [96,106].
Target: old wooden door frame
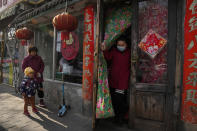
[134,41]
[171,61]
[99,38]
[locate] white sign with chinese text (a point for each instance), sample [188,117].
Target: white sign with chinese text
[5,4]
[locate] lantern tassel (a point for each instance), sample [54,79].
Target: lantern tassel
[64,37]
[23,42]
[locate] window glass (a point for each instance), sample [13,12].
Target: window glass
[153,18]
[7,67]
[69,61]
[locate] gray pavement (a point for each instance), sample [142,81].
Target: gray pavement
[12,118]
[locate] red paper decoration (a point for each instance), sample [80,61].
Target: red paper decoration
[152,43]
[24,34]
[66,23]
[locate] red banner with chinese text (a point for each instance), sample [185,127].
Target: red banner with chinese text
[189,101]
[88,53]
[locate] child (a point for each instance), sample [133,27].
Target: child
[118,59]
[28,90]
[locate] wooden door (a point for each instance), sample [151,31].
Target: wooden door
[152,80]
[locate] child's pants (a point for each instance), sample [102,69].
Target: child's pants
[27,100]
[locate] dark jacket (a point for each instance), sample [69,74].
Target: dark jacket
[119,70]
[28,86]
[36,63]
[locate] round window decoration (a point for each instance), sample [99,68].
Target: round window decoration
[72,47]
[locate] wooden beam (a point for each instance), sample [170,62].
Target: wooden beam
[134,41]
[44,9]
[183,5]
[171,61]
[54,53]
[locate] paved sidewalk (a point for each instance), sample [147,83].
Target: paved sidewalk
[12,118]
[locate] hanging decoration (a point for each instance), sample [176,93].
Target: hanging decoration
[65,23]
[104,108]
[72,48]
[24,34]
[189,93]
[152,43]
[118,19]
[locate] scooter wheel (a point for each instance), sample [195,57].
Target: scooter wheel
[68,107]
[59,115]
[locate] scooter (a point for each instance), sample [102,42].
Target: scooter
[63,108]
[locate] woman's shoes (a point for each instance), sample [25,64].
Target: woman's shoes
[35,111]
[26,113]
[120,121]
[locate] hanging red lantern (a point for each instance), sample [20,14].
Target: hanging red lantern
[66,23]
[24,34]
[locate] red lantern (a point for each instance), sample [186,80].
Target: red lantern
[66,23]
[24,34]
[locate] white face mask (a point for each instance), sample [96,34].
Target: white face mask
[121,48]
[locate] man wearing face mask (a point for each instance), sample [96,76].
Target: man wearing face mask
[119,74]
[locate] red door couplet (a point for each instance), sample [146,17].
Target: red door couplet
[189,101]
[88,52]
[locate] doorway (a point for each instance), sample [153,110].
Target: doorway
[152,75]
[121,13]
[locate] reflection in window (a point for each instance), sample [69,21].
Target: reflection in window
[44,42]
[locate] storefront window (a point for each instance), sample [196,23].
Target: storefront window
[44,43]
[7,56]
[69,61]
[7,68]
[153,17]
